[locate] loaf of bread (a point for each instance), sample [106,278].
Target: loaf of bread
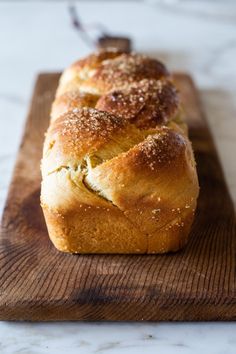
[118,170]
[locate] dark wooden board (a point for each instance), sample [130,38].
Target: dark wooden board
[39,283]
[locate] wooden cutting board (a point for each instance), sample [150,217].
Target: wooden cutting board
[39,283]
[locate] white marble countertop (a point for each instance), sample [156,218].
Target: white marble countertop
[197,37]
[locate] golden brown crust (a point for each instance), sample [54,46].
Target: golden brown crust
[107,70]
[124,69]
[72,100]
[152,182]
[75,234]
[84,129]
[81,70]
[84,133]
[93,60]
[120,177]
[146,103]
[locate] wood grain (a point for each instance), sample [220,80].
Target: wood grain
[39,283]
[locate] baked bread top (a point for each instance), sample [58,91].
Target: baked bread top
[118,138]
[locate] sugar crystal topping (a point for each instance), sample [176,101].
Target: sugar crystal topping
[128,68]
[90,120]
[161,148]
[147,103]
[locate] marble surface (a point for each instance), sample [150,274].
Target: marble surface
[112,338]
[194,36]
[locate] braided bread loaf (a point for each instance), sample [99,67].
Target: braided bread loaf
[118,169]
